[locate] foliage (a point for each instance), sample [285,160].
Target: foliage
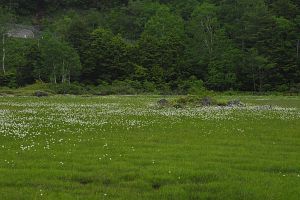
[223,45]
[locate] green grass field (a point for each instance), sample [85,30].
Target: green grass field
[66,147]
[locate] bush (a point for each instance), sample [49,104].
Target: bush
[117,87]
[123,87]
[65,88]
[195,101]
[295,88]
[164,89]
[8,80]
[192,86]
[149,87]
[282,88]
[129,87]
[190,101]
[230,93]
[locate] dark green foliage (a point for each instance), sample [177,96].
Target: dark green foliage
[64,88]
[166,46]
[191,86]
[106,57]
[201,100]
[8,80]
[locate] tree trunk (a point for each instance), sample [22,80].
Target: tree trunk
[253,79]
[260,80]
[298,48]
[40,79]
[3,55]
[69,78]
[54,74]
[63,74]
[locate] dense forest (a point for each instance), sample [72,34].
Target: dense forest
[168,45]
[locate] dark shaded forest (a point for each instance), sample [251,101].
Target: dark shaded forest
[166,45]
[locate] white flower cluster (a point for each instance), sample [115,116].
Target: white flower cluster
[30,118]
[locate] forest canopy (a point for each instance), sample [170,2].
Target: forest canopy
[177,45]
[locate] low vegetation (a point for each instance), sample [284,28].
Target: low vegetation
[123,147]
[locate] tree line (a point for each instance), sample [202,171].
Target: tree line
[221,45]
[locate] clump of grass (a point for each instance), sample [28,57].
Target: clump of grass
[29,90]
[200,101]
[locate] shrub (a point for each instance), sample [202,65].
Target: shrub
[282,88]
[117,87]
[164,89]
[295,88]
[65,88]
[149,87]
[8,80]
[192,86]
[123,87]
[193,101]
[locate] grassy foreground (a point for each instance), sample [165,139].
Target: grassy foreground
[66,147]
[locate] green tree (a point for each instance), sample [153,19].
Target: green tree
[60,61]
[25,72]
[106,57]
[6,18]
[130,21]
[161,46]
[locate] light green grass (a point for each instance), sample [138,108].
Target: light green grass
[28,90]
[126,148]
